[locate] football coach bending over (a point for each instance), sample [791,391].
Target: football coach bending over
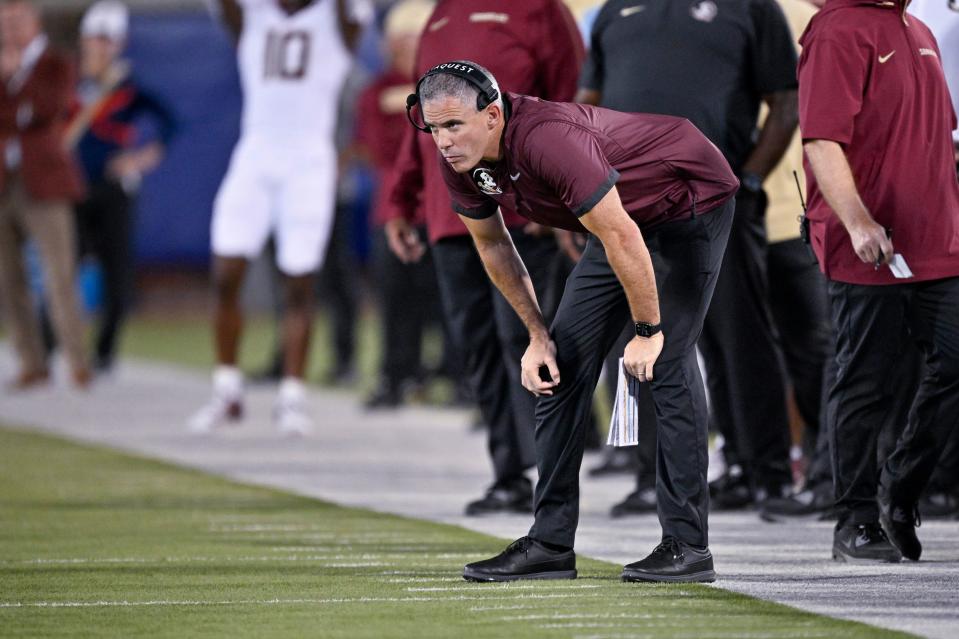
[655,195]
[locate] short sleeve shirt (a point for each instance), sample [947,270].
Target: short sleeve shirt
[874,84]
[709,61]
[561,159]
[530,46]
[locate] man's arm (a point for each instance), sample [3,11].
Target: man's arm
[350,28]
[629,258]
[231,14]
[835,180]
[405,186]
[776,134]
[588,96]
[509,274]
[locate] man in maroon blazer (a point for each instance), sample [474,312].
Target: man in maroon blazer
[38,183]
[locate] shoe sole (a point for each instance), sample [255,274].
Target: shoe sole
[841,557]
[705,576]
[480,577]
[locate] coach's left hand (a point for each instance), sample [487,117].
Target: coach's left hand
[640,355]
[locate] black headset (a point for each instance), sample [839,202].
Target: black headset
[461,69]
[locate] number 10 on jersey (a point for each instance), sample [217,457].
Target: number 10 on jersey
[287,55]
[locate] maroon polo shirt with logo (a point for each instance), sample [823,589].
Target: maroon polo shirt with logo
[560,159]
[871,79]
[530,46]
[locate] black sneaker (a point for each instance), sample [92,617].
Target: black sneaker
[899,523]
[638,502]
[863,543]
[512,496]
[525,558]
[731,491]
[616,461]
[673,561]
[387,396]
[811,502]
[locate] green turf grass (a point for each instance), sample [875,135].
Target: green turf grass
[97,543]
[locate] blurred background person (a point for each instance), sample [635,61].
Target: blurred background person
[862,213]
[293,57]
[406,292]
[663,58]
[535,48]
[104,131]
[941,498]
[37,188]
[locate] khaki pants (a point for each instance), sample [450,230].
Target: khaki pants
[51,226]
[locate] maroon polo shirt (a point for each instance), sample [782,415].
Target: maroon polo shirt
[531,47]
[380,124]
[872,81]
[560,159]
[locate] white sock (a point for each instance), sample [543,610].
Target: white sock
[228,381]
[292,389]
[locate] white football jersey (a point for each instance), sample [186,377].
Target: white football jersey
[292,69]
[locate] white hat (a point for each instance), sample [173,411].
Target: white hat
[106,18]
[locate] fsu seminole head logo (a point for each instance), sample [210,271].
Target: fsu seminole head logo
[484,180]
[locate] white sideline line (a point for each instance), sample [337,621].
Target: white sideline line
[409,580]
[504,608]
[271,602]
[159,560]
[505,586]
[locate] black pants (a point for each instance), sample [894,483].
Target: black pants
[873,324]
[338,286]
[492,340]
[686,256]
[407,294]
[105,231]
[800,308]
[743,369]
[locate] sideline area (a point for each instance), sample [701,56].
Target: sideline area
[426,463]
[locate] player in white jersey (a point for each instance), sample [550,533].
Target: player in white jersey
[294,56]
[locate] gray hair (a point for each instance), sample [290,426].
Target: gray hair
[445,85]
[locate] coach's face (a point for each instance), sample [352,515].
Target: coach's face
[463,135]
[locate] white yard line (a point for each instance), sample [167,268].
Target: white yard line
[281,602]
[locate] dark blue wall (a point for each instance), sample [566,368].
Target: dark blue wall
[189,61]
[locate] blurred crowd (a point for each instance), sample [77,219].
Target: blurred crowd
[326,154]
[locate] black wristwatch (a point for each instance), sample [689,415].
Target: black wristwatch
[752,182]
[645,329]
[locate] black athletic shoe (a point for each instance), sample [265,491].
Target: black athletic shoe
[811,502]
[386,397]
[638,502]
[899,522]
[525,558]
[731,491]
[865,543]
[617,461]
[512,496]
[673,561]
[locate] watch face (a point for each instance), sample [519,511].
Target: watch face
[644,329]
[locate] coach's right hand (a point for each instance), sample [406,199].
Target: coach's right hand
[540,353]
[404,241]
